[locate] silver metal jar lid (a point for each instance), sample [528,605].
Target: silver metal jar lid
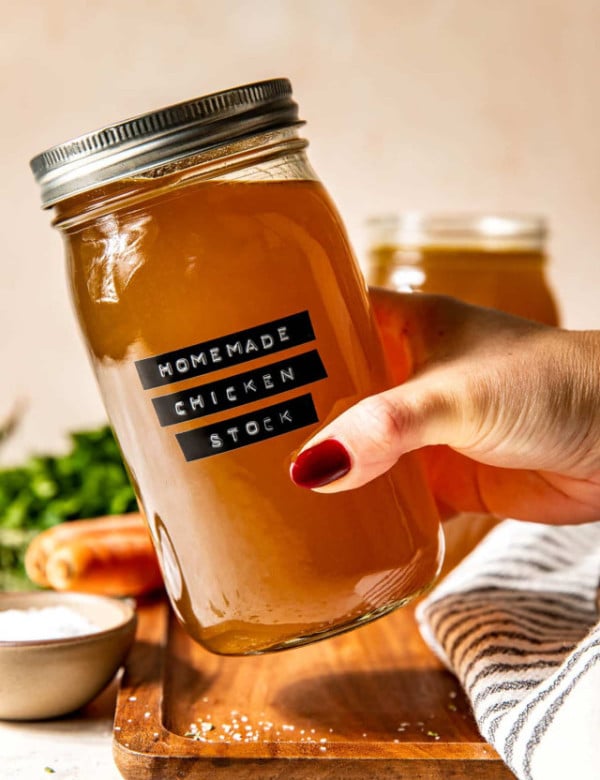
[146,141]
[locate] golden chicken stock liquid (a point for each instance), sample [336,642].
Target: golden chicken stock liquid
[226,322]
[509,279]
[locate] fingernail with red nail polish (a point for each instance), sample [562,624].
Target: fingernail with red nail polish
[320,465]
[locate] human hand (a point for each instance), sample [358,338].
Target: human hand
[517,405]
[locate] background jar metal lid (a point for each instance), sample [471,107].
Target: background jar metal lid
[158,137]
[492,230]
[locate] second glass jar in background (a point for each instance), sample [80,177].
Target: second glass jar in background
[493,260]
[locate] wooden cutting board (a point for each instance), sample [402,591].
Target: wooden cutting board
[373,703]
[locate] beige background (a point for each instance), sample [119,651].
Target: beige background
[432,104]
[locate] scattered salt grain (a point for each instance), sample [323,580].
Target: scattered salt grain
[27,625]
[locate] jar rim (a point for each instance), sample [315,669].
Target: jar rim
[458,229]
[159,137]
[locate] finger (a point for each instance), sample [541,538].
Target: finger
[454,482]
[367,440]
[423,326]
[460,484]
[418,329]
[411,328]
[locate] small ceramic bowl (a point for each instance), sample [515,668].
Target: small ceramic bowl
[46,678]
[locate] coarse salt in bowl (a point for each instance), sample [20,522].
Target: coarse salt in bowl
[59,650]
[33,624]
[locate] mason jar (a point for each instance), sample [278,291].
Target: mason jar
[226,320]
[494,260]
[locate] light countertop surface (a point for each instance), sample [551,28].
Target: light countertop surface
[74,747]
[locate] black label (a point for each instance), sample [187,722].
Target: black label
[240,347]
[240,389]
[248,428]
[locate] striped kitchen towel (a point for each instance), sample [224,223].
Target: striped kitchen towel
[518,623]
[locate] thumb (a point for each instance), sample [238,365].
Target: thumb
[367,440]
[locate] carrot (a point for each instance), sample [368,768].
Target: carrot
[110,555]
[116,564]
[45,543]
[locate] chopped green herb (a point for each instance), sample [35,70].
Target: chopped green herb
[88,481]
[49,771]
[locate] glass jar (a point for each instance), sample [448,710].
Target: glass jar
[493,260]
[226,320]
